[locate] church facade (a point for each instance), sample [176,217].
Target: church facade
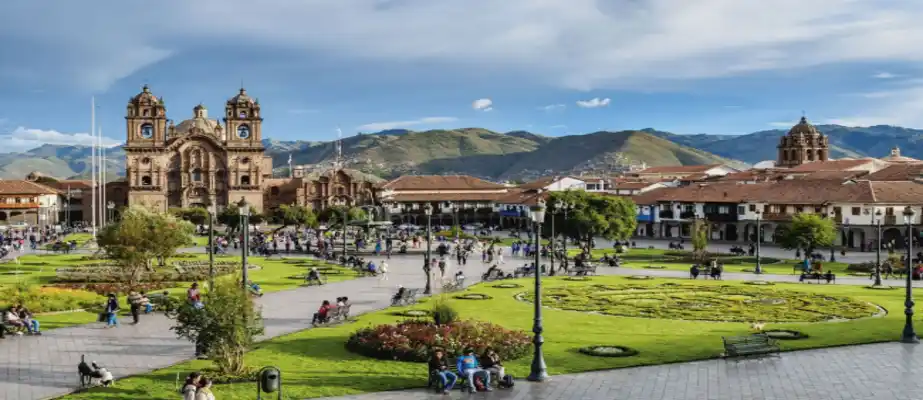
[202,161]
[803,144]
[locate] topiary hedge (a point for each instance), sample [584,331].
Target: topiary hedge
[608,351]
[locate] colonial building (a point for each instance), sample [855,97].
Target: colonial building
[684,172]
[458,198]
[27,202]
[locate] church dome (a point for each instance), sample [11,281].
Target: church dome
[199,122]
[241,98]
[804,128]
[145,97]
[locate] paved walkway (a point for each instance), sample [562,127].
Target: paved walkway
[888,371]
[40,367]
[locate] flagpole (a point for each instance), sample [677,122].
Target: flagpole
[100,212]
[93,164]
[104,205]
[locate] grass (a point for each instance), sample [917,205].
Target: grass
[643,258]
[315,363]
[39,270]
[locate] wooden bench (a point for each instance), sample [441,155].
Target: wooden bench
[409,297]
[817,277]
[752,345]
[584,270]
[6,327]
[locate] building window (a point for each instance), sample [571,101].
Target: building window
[775,209]
[856,210]
[889,211]
[724,210]
[742,209]
[146,181]
[196,175]
[274,191]
[799,209]
[818,210]
[245,179]
[752,208]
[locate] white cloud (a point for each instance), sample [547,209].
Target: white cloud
[884,75]
[900,106]
[22,139]
[380,126]
[553,107]
[595,102]
[558,127]
[621,42]
[483,104]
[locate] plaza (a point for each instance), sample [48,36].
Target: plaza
[43,366]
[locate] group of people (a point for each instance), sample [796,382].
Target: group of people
[197,387]
[21,319]
[477,372]
[323,313]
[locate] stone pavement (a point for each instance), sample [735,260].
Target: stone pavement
[887,371]
[45,366]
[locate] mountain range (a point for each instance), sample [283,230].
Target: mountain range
[513,155]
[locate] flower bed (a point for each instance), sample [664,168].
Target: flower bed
[507,286]
[119,288]
[608,351]
[181,271]
[759,283]
[414,340]
[655,267]
[785,334]
[412,313]
[577,278]
[641,277]
[473,296]
[48,299]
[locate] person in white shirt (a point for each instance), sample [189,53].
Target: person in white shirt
[383,270]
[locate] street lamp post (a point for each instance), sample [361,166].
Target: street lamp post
[345,225]
[759,264]
[539,370]
[244,210]
[878,249]
[833,243]
[110,206]
[909,336]
[428,209]
[211,246]
[455,228]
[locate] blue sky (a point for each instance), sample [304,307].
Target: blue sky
[555,67]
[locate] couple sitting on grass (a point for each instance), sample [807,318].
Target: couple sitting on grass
[476,373]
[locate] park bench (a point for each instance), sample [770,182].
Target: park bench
[407,298]
[829,277]
[454,285]
[583,270]
[6,327]
[752,345]
[336,314]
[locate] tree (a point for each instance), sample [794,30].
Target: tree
[610,217]
[806,232]
[196,215]
[700,232]
[140,236]
[225,327]
[230,217]
[293,215]
[334,215]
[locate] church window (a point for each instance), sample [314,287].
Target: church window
[145,161]
[245,179]
[196,175]
[146,181]
[146,112]
[243,114]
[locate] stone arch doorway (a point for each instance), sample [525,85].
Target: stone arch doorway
[750,233]
[730,232]
[855,238]
[892,236]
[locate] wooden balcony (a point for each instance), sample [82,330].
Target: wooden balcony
[776,217]
[18,206]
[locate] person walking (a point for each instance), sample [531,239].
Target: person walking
[112,308]
[134,304]
[383,270]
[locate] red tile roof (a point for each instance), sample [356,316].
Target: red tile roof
[440,182]
[15,186]
[679,169]
[832,165]
[897,172]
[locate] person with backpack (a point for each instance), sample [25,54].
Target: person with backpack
[493,365]
[469,367]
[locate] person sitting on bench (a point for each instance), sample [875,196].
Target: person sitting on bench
[255,288]
[694,271]
[12,318]
[313,275]
[828,276]
[399,294]
[321,315]
[469,367]
[26,317]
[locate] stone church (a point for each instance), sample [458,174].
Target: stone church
[203,161]
[803,144]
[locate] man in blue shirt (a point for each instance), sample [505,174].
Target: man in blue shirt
[469,367]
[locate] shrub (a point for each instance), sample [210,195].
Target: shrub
[118,288]
[450,234]
[861,267]
[443,313]
[47,299]
[414,340]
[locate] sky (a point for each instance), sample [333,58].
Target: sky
[555,67]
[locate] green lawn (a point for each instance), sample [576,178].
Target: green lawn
[315,363]
[39,270]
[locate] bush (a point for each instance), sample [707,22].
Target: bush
[103,289]
[866,267]
[47,299]
[414,340]
[450,234]
[443,313]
